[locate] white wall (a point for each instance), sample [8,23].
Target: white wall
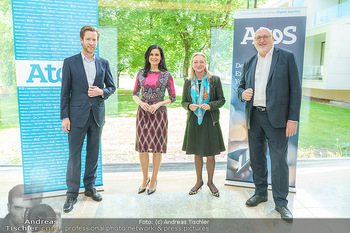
[338,59]
[336,34]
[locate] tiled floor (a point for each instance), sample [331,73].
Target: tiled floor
[322,191]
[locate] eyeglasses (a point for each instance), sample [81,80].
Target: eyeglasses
[262,37]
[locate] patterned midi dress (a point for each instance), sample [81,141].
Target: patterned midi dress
[152,129]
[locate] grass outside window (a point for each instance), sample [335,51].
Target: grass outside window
[324,130]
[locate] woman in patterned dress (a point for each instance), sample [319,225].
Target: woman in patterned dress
[202,97]
[152,119]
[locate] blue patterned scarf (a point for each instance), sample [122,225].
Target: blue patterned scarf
[200,95]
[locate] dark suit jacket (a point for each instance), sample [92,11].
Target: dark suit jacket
[75,102]
[283,89]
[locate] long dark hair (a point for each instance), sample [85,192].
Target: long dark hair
[161,65]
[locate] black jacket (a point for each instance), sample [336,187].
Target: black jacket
[216,101]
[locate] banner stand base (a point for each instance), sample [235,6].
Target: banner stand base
[59,192]
[251,185]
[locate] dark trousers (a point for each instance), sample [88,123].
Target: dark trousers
[76,138]
[261,134]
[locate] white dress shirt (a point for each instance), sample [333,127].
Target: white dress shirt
[262,71]
[90,69]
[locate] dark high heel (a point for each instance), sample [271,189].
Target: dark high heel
[192,192]
[143,190]
[149,191]
[214,193]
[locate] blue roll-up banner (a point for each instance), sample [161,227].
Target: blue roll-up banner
[46,32]
[288,28]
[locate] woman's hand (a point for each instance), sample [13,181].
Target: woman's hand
[153,108]
[145,106]
[193,107]
[205,107]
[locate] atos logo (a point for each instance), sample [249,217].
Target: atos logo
[285,37]
[48,74]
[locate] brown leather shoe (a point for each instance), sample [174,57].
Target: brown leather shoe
[286,215]
[255,200]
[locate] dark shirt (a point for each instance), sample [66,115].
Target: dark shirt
[5,224]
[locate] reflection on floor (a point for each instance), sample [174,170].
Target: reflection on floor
[322,191]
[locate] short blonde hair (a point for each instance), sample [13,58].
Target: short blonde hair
[192,73]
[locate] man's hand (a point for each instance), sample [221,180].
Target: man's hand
[291,128]
[94,91]
[247,94]
[66,125]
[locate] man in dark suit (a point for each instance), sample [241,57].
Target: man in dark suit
[271,87]
[86,83]
[18,207]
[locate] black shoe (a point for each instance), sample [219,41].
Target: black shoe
[149,191]
[214,193]
[68,205]
[141,190]
[195,191]
[286,215]
[93,194]
[255,200]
